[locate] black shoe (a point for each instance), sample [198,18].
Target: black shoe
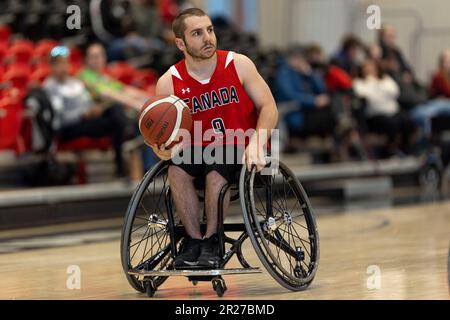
[209,256]
[188,256]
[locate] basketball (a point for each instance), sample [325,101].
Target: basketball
[161,119]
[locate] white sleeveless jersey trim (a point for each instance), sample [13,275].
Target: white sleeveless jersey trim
[206,81]
[175,72]
[229,58]
[180,105]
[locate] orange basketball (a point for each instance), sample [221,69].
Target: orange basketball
[161,119]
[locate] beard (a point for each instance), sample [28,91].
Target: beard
[199,54]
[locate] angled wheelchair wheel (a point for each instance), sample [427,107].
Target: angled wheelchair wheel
[281,226]
[146,237]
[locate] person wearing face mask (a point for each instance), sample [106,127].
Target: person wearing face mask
[350,56]
[342,103]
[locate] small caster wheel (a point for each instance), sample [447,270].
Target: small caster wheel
[299,272]
[150,288]
[194,282]
[219,286]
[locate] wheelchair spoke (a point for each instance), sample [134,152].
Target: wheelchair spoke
[145,248]
[262,204]
[281,243]
[301,240]
[306,228]
[287,257]
[140,241]
[139,244]
[152,245]
[292,210]
[140,227]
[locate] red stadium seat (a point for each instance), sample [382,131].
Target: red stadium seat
[17,76]
[76,60]
[3,51]
[20,52]
[5,33]
[11,93]
[10,124]
[40,73]
[75,68]
[144,78]
[76,57]
[121,71]
[42,50]
[84,144]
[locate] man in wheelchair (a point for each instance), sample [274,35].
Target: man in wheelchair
[224,91]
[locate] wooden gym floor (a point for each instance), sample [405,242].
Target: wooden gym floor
[407,247]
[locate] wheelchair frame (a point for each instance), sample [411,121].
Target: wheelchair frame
[145,279]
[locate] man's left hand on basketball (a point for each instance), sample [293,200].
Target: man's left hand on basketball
[166,154]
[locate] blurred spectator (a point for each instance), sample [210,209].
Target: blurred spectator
[107,18]
[107,91]
[102,86]
[146,17]
[387,39]
[126,33]
[132,44]
[394,64]
[336,78]
[374,52]
[440,89]
[76,114]
[350,56]
[440,84]
[383,112]
[295,81]
[346,112]
[168,9]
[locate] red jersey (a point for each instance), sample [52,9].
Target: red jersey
[219,103]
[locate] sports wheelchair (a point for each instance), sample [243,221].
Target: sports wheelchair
[434,173]
[278,220]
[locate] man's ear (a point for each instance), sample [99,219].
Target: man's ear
[180,43]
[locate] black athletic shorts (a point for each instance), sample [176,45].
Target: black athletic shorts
[198,161]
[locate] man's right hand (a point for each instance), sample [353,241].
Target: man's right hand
[166,154]
[94,112]
[322,100]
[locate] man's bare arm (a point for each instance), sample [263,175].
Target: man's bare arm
[164,86]
[262,97]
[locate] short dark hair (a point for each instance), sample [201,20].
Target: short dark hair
[178,25]
[350,41]
[93,44]
[295,50]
